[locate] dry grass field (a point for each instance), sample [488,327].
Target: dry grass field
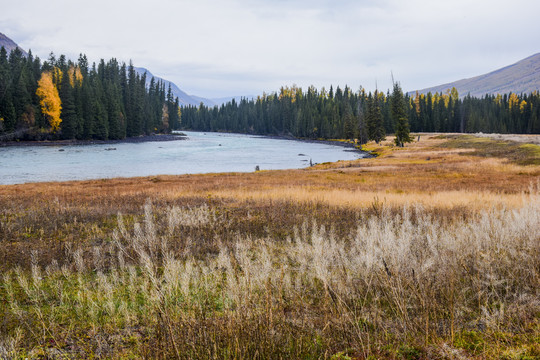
[431,251]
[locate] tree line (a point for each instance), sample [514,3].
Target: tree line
[361,115]
[64,99]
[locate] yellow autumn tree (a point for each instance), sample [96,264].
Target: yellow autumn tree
[513,101]
[49,100]
[522,106]
[164,117]
[75,75]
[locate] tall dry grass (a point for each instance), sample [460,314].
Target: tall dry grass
[406,285]
[426,252]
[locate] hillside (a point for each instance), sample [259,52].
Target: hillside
[9,44]
[186,99]
[521,77]
[183,97]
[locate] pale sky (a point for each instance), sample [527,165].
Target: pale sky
[219,48]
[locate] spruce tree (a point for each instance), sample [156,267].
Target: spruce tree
[375,125]
[348,123]
[362,135]
[399,116]
[68,114]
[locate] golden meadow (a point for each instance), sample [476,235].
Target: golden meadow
[431,251]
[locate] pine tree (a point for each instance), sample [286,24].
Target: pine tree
[375,125]
[7,110]
[348,123]
[399,116]
[362,135]
[68,114]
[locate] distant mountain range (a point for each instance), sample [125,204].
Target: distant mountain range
[521,77]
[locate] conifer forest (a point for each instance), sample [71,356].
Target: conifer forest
[337,114]
[62,99]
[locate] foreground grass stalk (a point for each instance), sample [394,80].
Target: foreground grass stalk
[402,284]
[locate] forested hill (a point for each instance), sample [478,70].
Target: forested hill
[342,113]
[65,99]
[521,77]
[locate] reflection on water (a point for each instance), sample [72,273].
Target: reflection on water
[199,153]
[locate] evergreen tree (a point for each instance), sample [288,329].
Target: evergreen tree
[348,123]
[68,113]
[375,125]
[399,116]
[362,134]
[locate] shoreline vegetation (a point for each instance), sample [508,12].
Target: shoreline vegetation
[428,251]
[127,140]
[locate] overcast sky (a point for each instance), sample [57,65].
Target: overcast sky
[218,48]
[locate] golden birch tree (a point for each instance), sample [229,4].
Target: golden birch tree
[49,100]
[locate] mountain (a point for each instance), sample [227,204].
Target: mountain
[183,97]
[237,99]
[205,101]
[521,77]
[9,44]
[186,99]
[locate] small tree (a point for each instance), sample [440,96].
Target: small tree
[399,116]
[49,99]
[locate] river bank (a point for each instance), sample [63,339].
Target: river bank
[128,140]
[179,136]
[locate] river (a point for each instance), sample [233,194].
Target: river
[198,153]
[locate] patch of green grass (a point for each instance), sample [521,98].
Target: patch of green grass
[521,154]
[408,352]
[472,341]
[530,154]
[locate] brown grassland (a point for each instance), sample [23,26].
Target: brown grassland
[431,251]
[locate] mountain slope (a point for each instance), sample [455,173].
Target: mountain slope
[183,97]
[9,44]
[521,77]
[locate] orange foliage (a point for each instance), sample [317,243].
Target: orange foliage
[523,106]
[49,98]
[75,76]
[165,117]
[417,102]
[291,92]
[513,101]
[57,76]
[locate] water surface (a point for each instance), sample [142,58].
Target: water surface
[199,153]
